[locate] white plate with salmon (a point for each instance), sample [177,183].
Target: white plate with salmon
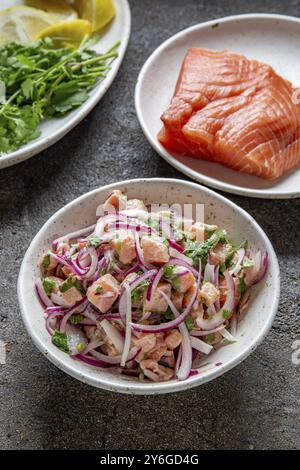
[220,102]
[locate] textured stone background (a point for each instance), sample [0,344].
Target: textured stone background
[256,405]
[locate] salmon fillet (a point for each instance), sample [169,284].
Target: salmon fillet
[233,111]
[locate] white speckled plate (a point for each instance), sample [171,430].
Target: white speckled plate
[55,129]
[273,39]
[81,213]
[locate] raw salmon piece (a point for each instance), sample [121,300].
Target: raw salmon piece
[233,111]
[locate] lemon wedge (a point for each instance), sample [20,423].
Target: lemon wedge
[56,7]
[67,33]
[98,12]
[22,24]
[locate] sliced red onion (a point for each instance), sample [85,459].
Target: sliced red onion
[127,322]
[90,360]
[216,282]
[114,335]
[73,235]
[94,262]
[186,347]
[178,360]
[151,375]
[43,297]
[116,359]
[218,319]
[200,345]
[83,259]
[256,274]
[233,324]
[129,372]
[225,333]
[209,273]
[134,269]
[55,310]
[193,373]
[101,267]
[79,307]
[75,337]
[50,325]
[237,267]
[263,267]
[178,255]
[109,316]
[133,284]
[154,283]
[176,246]
[139,251]
[58,300]
[93,345]
[206,332]
[102,222]
[243,305]
[173,323]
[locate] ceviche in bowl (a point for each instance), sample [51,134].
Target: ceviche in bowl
[149,294]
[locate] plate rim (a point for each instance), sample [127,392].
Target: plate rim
[37,146]
[183,168]
[136,387]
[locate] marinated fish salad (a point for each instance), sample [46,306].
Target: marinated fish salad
[147,293]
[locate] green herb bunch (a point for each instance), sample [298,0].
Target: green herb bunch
[42,82]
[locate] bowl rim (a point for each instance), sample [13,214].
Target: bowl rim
[139,387]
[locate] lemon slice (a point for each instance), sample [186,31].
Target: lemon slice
[22,24]
[67,33]
[57,7]
[98,12]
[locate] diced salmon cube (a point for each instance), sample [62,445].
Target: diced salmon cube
[177,299]
[154,250]
[199,231]
[158,303]
[189,295]
[209,293]
[125,246]
[146,342]
[116,201]
[163,373]
[218,255]
[71,296]
[104,292]
[135,204]
[223,291]
[183,281]
[47,263]
[173,339]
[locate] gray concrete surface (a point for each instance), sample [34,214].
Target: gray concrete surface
[256,405]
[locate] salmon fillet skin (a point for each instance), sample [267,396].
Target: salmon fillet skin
[234,111]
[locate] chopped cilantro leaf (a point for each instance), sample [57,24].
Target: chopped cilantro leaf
[48,285]
[200,249]
[226,314]
[94,241]
[242,287]
[248,263]
[79,286]
[169,315]
[60,340]
[66,285]
[189,323]
[210,338]
[46,262]
[74,319]
[99,290]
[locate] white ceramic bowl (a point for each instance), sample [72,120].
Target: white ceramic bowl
[81,213]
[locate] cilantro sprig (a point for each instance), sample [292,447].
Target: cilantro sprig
[40,81]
